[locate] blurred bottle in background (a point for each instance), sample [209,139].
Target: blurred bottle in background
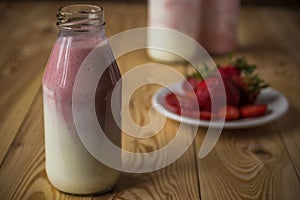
[213,23]
[178,15]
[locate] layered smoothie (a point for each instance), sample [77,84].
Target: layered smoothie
[69,166]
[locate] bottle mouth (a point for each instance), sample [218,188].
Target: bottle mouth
[80,17]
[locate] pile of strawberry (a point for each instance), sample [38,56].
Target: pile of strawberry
[242,87]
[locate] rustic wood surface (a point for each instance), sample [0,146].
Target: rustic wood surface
[257,163]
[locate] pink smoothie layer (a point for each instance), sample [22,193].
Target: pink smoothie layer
[219,26]
[66,57]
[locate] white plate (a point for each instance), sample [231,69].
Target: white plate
[277,106]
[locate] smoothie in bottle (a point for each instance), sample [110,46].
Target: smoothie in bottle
[69,166]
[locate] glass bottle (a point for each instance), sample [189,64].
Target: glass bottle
[69,166]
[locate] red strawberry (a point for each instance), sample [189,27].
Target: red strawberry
[206,115]
[204,97]
[229,70]
[232,92]
[253,110]
[248,96]
[174,102]
[190,83]
[233,73]
[229,112]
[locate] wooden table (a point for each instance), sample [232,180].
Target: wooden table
[256,163]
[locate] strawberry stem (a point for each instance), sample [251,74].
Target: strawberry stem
[249,77]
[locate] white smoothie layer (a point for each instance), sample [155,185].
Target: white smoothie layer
[69,166]
[164,56]
[177,15]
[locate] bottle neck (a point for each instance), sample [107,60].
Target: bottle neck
[80,19]
[99,32]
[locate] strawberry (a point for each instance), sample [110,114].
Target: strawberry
[203,96]
[194,79]
[190,83]
[229,112]
[233,73]
[206,115]
[253,110]
[188,107]
[229,71]
[214,83]
[244,76]
[174,102]
[248,96]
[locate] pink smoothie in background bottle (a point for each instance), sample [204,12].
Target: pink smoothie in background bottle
[213,23]
[69,166]
[219,21]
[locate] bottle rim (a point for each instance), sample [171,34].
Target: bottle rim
[80,17]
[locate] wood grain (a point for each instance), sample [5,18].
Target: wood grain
[287,77]
[247,164]
[276,50]
[289,130]
[21,65]
[177,181]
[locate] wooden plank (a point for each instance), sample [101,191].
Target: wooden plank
[22,64]
[124,16]
[177,181]
[247,164]
[289,128]
[288,41]
[277,53]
